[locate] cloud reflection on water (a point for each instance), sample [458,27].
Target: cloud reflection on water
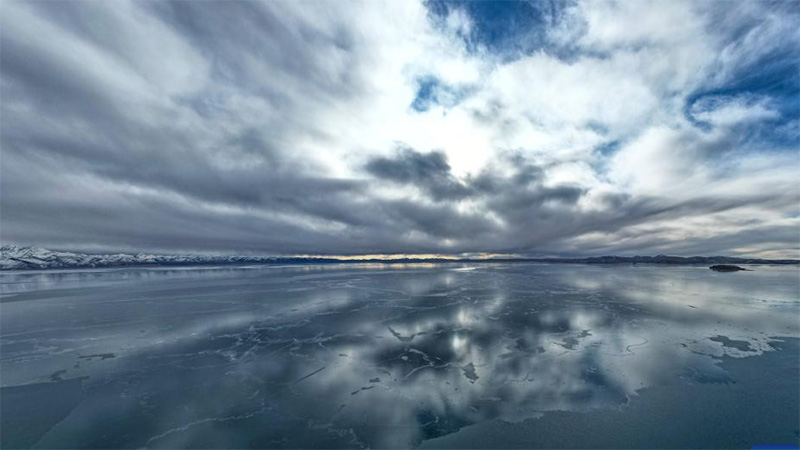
[378,356]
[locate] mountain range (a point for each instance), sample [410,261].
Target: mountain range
[13,257]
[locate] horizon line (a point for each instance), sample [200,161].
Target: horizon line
[389,257]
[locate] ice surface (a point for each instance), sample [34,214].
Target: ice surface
[365,355]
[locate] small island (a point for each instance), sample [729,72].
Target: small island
[726,268]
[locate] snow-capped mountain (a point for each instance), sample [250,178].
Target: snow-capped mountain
[14,257]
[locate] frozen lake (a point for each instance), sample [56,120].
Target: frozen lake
[450,355]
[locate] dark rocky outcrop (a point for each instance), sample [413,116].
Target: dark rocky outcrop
[726,268]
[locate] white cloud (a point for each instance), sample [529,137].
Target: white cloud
[243,108]
[733,110]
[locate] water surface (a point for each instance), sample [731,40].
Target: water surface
[376,355]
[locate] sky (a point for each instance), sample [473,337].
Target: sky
[346,127]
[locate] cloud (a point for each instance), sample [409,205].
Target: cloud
[430,172]
[732,110]
[400,127]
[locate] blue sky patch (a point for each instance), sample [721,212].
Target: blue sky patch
[508,29]
[432,91]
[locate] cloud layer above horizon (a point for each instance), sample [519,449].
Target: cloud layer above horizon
[378,127]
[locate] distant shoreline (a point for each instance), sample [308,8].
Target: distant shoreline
[31,258]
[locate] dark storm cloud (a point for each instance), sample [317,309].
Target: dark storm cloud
[85,125]
[430,171]
[533,214]
[218,127]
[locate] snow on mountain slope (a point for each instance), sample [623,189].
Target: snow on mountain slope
[14,257]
